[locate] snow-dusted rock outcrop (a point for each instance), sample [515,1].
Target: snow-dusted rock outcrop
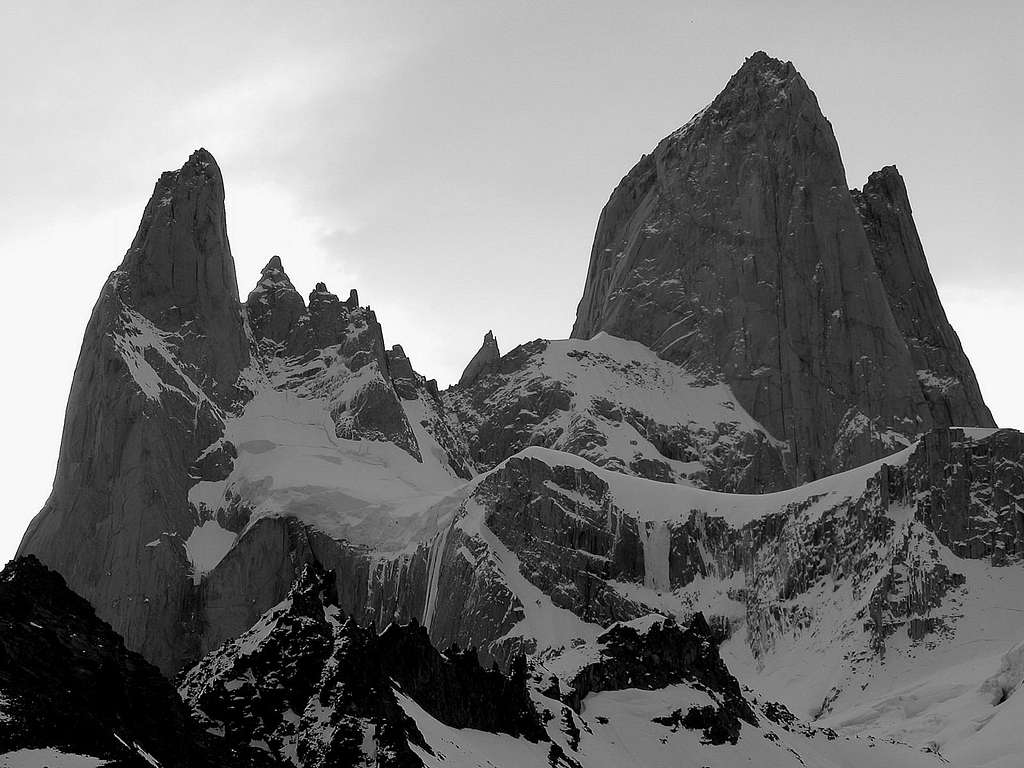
[616,403]
[316,689]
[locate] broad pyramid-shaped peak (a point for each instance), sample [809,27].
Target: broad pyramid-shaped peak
[765,93]
[735,249]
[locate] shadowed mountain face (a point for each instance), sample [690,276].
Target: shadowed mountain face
[158,368]
[68,683]
[943,370]
[735,249]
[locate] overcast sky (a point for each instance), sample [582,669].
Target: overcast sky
[450,160]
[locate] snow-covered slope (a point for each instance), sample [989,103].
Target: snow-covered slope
[290,461]
[617,404]
[844,598]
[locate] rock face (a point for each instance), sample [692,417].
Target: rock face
[483,361]
[158,369]
[969,493]
[67,682]
[276,311]
[735,249]
[877,560]
[942,367]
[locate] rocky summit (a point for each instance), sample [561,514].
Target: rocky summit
[754,511]
[736,250]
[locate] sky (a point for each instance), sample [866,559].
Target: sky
[450,160]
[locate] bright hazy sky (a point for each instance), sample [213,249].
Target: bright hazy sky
[450,160]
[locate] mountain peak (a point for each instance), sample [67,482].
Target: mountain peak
[706,251]
[273,278]
[483,361]
[761,63]
[943,370]
[180,256]
[764,81]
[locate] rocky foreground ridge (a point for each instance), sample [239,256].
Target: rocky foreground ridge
[311,687]
[68,684]
[748,327]
[307,686]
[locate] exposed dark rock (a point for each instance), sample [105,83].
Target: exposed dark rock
[375,413]
[180,275]
[943,369]
[342,682]
[968,492]
[328,317]
[69,682]
[455,688]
